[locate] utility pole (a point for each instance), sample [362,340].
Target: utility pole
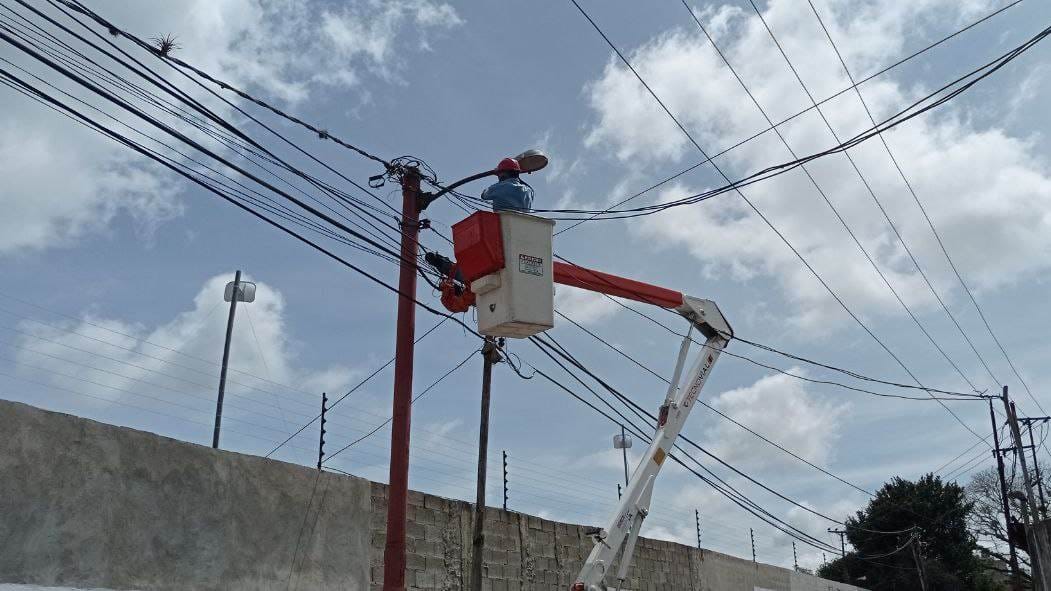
[842,551]
[398,490]
[505,480]
[697,517]
[321,444]
[751,533]
[226,360]
[1036,540]
[618,491]
[1029,422]
[1016,575]
[795,558]
[490,355]
[919,564]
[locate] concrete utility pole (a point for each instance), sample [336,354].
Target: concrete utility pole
[1037,542]
[321,441]
[795,558]
[226,360]
[490,355]
[1016,575]
[398,490]
[505,480]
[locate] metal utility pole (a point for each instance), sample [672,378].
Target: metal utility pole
[490,355]
[751,533]
[321,444]
[1016,575]
[398,490]
[226,361]
[697,517]
[505,480]
[842,550]
[1037,542]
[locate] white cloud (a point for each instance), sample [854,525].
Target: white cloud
[974,182]
[176,363]
[782,409]
[585,307]
[282,50]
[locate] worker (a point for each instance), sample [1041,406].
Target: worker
[510,192]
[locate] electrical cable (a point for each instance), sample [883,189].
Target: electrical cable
[804,111]
[825,197]
[919,204]
[414,399]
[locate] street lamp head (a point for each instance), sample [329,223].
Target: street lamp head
[245,292]
[531,160]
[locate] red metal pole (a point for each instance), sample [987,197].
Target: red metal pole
[398,491]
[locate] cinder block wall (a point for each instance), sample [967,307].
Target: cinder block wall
[84,504]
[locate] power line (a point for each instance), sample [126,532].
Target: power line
[414,399]
[923,210]
[822,193]
[804,111]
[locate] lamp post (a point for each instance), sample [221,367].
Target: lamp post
[414,201]
[236,291]
[623,442]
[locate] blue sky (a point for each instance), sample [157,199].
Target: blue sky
[97,246]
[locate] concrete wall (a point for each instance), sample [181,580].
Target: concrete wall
[92,505]
[83,504]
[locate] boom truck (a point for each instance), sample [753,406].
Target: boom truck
[504,268]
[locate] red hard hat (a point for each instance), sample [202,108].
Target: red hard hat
[508,165]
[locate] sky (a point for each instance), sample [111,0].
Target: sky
[113,268]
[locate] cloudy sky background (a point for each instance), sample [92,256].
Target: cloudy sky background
[114,269]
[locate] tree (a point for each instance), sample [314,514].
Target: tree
[987,521]
[907,525]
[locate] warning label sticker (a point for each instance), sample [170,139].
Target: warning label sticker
[530,264]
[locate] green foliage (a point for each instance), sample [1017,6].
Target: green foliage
[931,513]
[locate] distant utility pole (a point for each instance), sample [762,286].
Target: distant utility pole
[1016,575]
[697,518]
[915,542]
[1036,540]
[490,355]
[1029,422]
[751,533]
[235,291]
[795,558]
[618,491]
[842,550]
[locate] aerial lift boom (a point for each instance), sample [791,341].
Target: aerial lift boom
[505,259]
[625,523]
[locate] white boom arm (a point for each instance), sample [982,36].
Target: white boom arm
[623,528]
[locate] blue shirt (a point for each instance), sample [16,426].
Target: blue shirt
[510,193]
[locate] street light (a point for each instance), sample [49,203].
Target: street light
[413,202]
[236,291]
[623,442]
